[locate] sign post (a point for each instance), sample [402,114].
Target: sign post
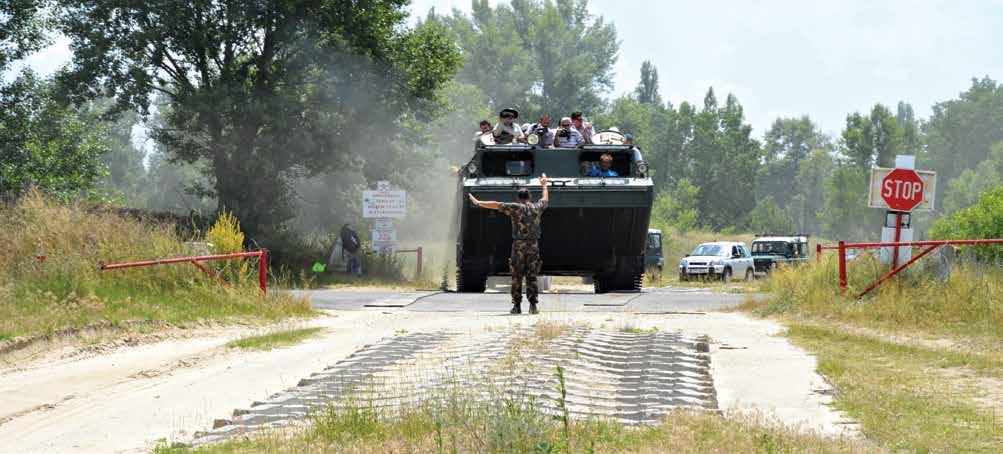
[901,191]
[384,204]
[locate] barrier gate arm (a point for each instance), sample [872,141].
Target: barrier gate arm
[261,254]
[842,246]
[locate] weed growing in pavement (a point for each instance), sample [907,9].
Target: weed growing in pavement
[69,291]
[274,339]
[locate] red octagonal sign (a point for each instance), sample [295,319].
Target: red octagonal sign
[902,189]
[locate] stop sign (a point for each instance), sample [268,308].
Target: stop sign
[902,189]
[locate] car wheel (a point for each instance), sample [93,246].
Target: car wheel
[726,275]
[749,275]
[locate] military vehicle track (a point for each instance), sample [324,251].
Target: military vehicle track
[632,377]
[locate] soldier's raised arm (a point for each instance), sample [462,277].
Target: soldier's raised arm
[546,192]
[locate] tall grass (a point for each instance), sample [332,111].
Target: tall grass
[969,302]
[68,290]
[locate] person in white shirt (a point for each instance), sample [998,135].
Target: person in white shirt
[583,126]
[506,131]
[567,136]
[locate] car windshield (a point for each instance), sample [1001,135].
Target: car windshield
[654,241]
[707,249]
[770,247]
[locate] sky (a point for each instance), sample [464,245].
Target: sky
[787,58]
[794,58]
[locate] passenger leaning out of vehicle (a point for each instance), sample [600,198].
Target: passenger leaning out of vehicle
[583,126]
[542,129]
[485,129]
[604,170]
[567,136]
[507,131]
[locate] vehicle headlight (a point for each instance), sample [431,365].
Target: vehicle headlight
[682,263]
[642,168]
[472,168]
[717,263]
[533,139]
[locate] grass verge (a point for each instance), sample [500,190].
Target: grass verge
[515,425]
[904,396]
[918,362]
[68,290]
[274,340]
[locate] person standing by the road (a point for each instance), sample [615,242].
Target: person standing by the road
[525,260]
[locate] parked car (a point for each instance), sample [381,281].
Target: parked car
[771,252]
[653,260]
[718,260]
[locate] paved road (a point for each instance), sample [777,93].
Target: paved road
[656,300]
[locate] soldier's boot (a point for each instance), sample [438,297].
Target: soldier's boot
[516,292]
[532,292]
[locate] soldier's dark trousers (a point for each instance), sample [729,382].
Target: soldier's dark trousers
[525,263]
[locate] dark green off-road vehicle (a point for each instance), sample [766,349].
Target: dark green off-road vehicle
[594,226]
[772,251]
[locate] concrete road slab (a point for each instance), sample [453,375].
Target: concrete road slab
[656,300]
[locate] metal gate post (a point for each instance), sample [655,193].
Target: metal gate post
[842,267]
[818,252]
[419,264]
[898,237]
[263,272]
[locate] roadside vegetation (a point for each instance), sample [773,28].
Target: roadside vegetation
[273,340]
[458,423]
[68,290]
[918,362]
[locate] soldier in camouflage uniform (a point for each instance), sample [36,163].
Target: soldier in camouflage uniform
[525,260]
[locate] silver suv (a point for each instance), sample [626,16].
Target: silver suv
[719,260]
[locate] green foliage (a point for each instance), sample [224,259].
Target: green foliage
[676,208]
[984,220]
[45,144]
[23,27]
[964,191]
[263,92]
[647,89]
[872,140]
[960,132]
[538,56]
[845,214]
[768,217]
[788,143]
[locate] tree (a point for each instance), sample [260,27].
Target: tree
[788,142]
[539,56]
[960,132]
[264,92]
[44,144]
[912,140]
[982,220]
[23,27]
[846,215]
[964,191]
[647,89]
[809,188]
[872,140]
[767,217]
